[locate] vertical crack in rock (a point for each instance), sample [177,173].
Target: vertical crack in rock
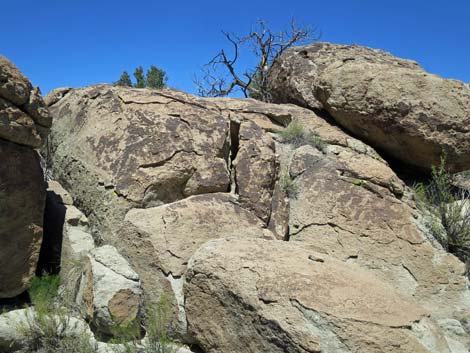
[234,147]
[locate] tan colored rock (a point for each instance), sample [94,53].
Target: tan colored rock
[159,241]
[339,214]
[272,296]
[56,95]
[24,117]
[255,169]
[60,195]
[16,126]
[111,290]
[22,200]
[172,233]
[118,148]
[14,86]
[390,103]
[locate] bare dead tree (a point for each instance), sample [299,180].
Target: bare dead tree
[220,76]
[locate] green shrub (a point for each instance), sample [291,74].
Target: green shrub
[296,135]
[288,184]
[157,323]
[48,325]
[447,211]
[43,290]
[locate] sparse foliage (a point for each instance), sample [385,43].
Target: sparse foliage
[447,211]
[139,77]
[157,323]
[124,80]
[222,76]
[155,78]
[288,184]
[50,327]
[296,135]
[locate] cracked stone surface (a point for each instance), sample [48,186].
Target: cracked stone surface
[357,221]
[388,102]
[24,117]
[160,240]
[24,125]
[112,293]
[116,148]
[253,295]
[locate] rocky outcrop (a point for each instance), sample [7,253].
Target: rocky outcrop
[24,118]
[24,124]
[271,296]
[390,103]
[159,241]
[110,291]
[339,213]
[118,148]
[161,173]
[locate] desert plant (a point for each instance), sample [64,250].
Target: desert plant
[447,211]
[157,323]
[288,184]
[296,135]
[49,327]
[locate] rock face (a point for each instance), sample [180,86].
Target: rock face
[160,173]
[271,296]
[357,221]
[24,124]
[111,290]
[119,148]
[159,241]
[391,103]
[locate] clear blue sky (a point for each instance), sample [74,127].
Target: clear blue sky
[76,43]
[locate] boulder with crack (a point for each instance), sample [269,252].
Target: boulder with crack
[271,296]
[339,214]
[159,241]
[391,103]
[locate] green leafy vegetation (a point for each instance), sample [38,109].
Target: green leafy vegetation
[447,211]
[296,135]
[155,78]
[157,323]
[124,80]
[50,327]
[288,184]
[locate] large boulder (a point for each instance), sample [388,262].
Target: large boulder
[160,240]
[117,148]
[340,213]
[351,205]
[390,103]
[273,296]
[24,124]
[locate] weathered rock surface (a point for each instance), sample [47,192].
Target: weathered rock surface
[24,118]
[16,330]
[24,123]
[111,290]
[117,148]
[338,213]
[272,296]
[391,103]
[22,198]
[159,241]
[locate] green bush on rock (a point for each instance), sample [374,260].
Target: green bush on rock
[296,135]
[447,211]
[50,326]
